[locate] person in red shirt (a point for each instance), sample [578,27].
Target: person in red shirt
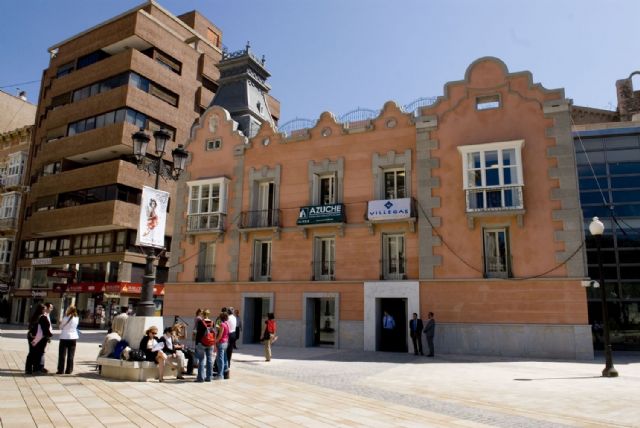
[269,335]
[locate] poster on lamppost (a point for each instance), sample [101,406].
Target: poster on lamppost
[153,217]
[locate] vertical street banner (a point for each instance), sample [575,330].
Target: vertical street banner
[153,217]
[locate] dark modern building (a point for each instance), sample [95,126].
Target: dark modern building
[607,145]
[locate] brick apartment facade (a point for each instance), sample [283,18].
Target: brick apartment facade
[145,68]
[469,209]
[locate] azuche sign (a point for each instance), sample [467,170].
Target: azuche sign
[319,214]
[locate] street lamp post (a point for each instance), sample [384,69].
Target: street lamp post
[597,229]
[158,167]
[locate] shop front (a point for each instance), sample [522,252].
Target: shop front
[99,302]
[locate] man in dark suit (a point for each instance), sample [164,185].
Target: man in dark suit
[430,330]
[415,330]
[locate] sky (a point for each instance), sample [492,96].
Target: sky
[338,55]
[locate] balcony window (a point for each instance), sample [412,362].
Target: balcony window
[207,204]
[393,256]
[394,184]
[206,262]
[496,253]
[324,259]
[262,261]
[327,189]
[5,251]
[15,168]
[492,176]
[10,205]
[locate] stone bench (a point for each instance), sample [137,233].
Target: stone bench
[139,371]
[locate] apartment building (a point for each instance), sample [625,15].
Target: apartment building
[468,209]
[16,125]
[607,145]
[143,69]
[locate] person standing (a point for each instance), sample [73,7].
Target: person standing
[269,335]
[430,330]
[232,322]
[36,336]
[388,327]
[415,330]
[68,337]
[204,352]
[48,308]
[238,328]
[222,344]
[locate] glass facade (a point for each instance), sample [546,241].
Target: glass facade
[608,163]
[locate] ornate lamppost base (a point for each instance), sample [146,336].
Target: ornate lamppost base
[609,372]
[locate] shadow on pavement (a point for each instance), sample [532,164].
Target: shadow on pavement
[560,378]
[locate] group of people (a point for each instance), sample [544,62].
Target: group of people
[416,329]
[164,351]
[39,335]
[219,335]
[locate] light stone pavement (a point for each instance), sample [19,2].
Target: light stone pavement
[316,387]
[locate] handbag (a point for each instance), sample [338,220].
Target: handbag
[137,355]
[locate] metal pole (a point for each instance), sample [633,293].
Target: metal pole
[609,370]
[146,307]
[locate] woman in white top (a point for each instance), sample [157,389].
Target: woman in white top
[68,337]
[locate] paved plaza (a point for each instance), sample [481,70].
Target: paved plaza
[318,387]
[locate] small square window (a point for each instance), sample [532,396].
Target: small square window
[213,144]
[488,102]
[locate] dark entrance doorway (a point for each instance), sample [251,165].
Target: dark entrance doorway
[392,339]
[321,322]
[255,314]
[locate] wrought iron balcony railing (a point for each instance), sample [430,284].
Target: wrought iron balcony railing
[393,268]
[324,271]
[205,222]
[259,219]
[204,273]
[489,199]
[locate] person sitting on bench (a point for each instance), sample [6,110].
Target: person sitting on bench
[153,350]
[172,351]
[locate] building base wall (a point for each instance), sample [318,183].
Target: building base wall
[515,340]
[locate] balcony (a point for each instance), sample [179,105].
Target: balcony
[87,218]
[393,269]
[9,223]
[204,273]
[324,271]
[207,222]
[260,219]
[492,201]
[11,181]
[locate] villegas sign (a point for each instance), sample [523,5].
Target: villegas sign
[389,209]
[318,214]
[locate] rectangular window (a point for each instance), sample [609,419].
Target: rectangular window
[262,261]
[324,258]
[488,102]
[167,61]
[327,189]
[65,69]
[496,253]
[493,176]
[393,256]
[394,184]
[205,199]
[15,168]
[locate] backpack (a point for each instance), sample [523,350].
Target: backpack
[209,339]
[137,355]
[117,351]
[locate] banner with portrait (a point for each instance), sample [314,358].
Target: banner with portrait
[153,217]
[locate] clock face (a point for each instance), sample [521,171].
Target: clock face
[391,123]
[326,132]
[266,141]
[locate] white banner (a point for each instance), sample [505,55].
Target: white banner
[389,209]
[153,217]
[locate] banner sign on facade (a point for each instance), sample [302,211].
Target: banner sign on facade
[389,209]
[318,214]
[59,273]
[106,287]
[153,217]
[40,262]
